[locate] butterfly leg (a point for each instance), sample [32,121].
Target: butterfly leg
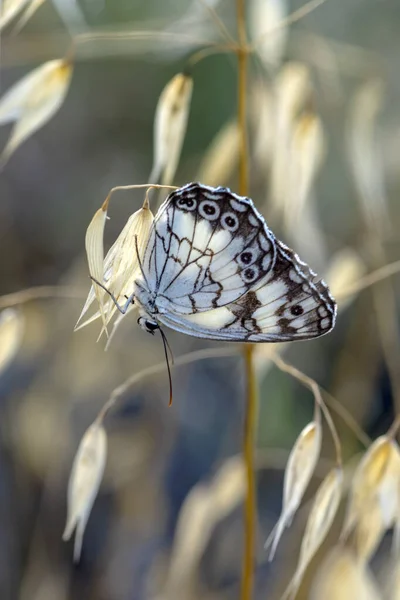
[122,309]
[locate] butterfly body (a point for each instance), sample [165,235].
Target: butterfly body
[213,269]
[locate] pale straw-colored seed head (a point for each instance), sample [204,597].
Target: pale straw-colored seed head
[27,14]
[87,472]
[121,265]
[268,30]
[343,577]
[205,506]
[95,253]
[9,9]
[298,473]
[170,127]
[345,269]
[11,332]
[221,157]
[33,100]
[369,529]
[320,519]
[290,94]
[365,154]
[307,151]
[375,484]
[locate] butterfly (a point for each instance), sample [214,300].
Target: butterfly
[213,269]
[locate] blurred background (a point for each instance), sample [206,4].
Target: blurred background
[324,133]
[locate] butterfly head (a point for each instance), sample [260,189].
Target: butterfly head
[148,324]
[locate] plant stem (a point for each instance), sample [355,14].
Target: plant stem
[251,385]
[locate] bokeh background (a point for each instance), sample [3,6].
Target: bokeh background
[159,458]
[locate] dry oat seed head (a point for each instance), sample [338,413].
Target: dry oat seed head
[268,30]
[28,13]
[343,577]
[204,507]
[290,94]
[170,127]
[320,519]
[221,157]
[369,529]
[376,480]
[298,473]
[121,265]
[307,151]
[87,472]
[365,154]
[10,9]
[33,100]
[95,253]
[11,331]
[345,268]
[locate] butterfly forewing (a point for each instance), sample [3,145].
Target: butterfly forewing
[207,248]
[215,270]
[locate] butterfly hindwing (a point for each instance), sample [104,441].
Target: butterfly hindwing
[290,305]
[207,248]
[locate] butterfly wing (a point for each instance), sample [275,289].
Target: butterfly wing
[291,305]
[206,249]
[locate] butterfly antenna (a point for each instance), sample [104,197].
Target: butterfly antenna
[140,261]
[166,348]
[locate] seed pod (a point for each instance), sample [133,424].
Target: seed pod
[365,155]
[345,268]
[11,331]
[299,470]
[268,30]
[307,150]
[10,9]
[87,472]
[319,521]
[221,157]
[376,480]
[170,127]
[33,100]
[95,253]
[121,265]
[343,577]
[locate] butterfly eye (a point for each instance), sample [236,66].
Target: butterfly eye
[230,221]
[209,210]
[297,310]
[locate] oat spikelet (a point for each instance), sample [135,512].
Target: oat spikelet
[345,268]
[299,470]
[95,253]
[121,265]
[32,7]
[87,472]
[33,100]
[170,127]
[268,31]
[204,507]
[307,151]
[319,521]
[221,157]
[374,496]
[11,331]
[292,87]
[10,9]
[343,577]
